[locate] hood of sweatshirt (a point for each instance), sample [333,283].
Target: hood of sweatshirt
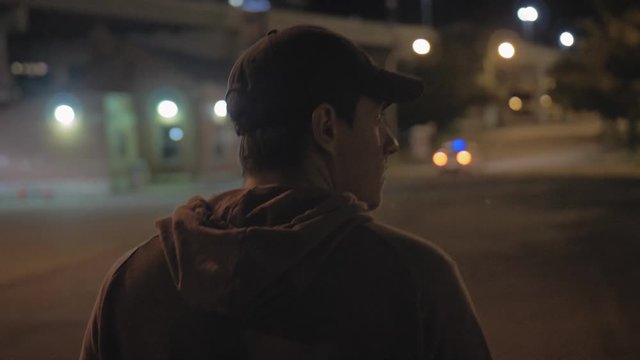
[228,254]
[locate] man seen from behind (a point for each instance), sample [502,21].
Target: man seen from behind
[292,265]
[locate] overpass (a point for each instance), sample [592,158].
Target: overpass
[114,61]
[387,42]
[207,16]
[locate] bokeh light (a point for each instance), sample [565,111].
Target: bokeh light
[421,46]
[506,50]
[528,14]
[515,103]
[567,39]
[41,69]
[17,68]
[546,101]
[65,115]
[458,145]
[463,158]
[167,109]
[220,108]
[440,159]
[176,134]
[31,69]
[256,6]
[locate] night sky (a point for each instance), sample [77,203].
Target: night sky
[555,15]
[495,12]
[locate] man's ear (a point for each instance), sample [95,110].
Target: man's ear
[324,122]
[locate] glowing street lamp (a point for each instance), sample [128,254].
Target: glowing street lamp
[528,14]
[506,50]
[220,108]
[220,112]
[515,103]
[65,115]
[421,46]
[167,109]
[567,39]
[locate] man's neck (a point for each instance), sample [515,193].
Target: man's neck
[264,179]
[312,175]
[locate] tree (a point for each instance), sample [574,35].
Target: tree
[602,73]
[449,74]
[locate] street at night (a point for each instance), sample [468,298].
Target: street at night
[551,263]
[507,133]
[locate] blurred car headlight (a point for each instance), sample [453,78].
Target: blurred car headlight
[463,158]
[440,159]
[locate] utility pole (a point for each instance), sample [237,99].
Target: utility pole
[392,10]
[427,12]
[11,20]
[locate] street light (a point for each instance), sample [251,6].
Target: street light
[167,109]
[567,39]
[528,15]
[399,50]
[506,50]
[421,46]
[515,103]
[220,112]
[546,101]
[65,115]
[220,108]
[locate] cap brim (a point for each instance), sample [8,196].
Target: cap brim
[394,87]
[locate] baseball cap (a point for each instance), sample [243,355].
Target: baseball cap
[280,80]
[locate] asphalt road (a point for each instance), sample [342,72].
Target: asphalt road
[552,264]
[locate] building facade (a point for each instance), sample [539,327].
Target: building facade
[114,95]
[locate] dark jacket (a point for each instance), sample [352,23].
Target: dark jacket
[277,273]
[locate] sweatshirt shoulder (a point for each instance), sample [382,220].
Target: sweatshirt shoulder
[434,274]
[137,260]
[418,253]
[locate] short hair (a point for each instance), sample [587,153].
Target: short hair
[284,149]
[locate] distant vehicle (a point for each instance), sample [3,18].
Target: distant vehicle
[454,156]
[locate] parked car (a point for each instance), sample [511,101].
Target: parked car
[453,156]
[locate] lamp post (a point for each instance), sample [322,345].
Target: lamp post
[167,109]
[506,50]
[566,39]
[427,11]
[501,59]
[64,115]
[420,47]
[528,15]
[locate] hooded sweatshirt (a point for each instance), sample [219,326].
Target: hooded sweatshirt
[273,272]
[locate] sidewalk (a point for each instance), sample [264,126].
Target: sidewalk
[156,194]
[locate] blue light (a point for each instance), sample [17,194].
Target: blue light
[256,6]
[458,145]
[176,134]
